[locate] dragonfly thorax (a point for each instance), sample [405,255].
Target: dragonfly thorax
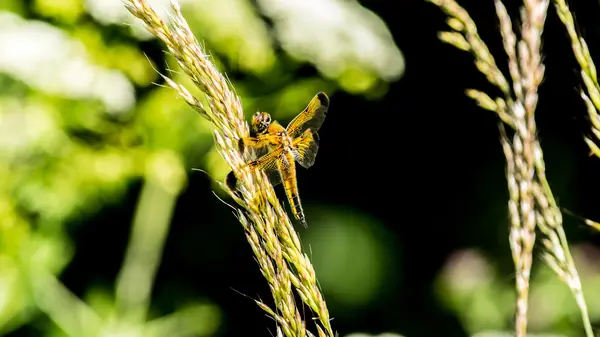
[286,141]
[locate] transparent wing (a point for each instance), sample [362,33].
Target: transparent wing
[259,144]
[268,163]
[253,142]
[311,117]
[306,147]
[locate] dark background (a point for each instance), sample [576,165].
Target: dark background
[438,184]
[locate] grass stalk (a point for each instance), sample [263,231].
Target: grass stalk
[531,203]
[268,228]
[591,93]
[142,257]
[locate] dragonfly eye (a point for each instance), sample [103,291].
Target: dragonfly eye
[261,121]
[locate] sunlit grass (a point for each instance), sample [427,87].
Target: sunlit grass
[532,206]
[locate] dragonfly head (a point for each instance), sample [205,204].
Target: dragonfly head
[260,122]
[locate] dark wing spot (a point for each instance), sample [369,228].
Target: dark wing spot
[324,99]
[231,181]
[241,145]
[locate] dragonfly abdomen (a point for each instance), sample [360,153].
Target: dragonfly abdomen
[291,187]
[291,190]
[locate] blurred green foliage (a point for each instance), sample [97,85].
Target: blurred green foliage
[471,287]
[350,243]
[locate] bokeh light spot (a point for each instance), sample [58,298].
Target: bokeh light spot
[351,253]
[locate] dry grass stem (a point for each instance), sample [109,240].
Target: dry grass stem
[531,203]
[269,230]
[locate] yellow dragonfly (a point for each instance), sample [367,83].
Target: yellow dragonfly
[299,142]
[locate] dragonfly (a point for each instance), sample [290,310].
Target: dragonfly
[298,142]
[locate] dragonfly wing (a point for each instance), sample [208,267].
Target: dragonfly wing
[311,117]
[268,163]
[253,142]
[259,144]
[306,147]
